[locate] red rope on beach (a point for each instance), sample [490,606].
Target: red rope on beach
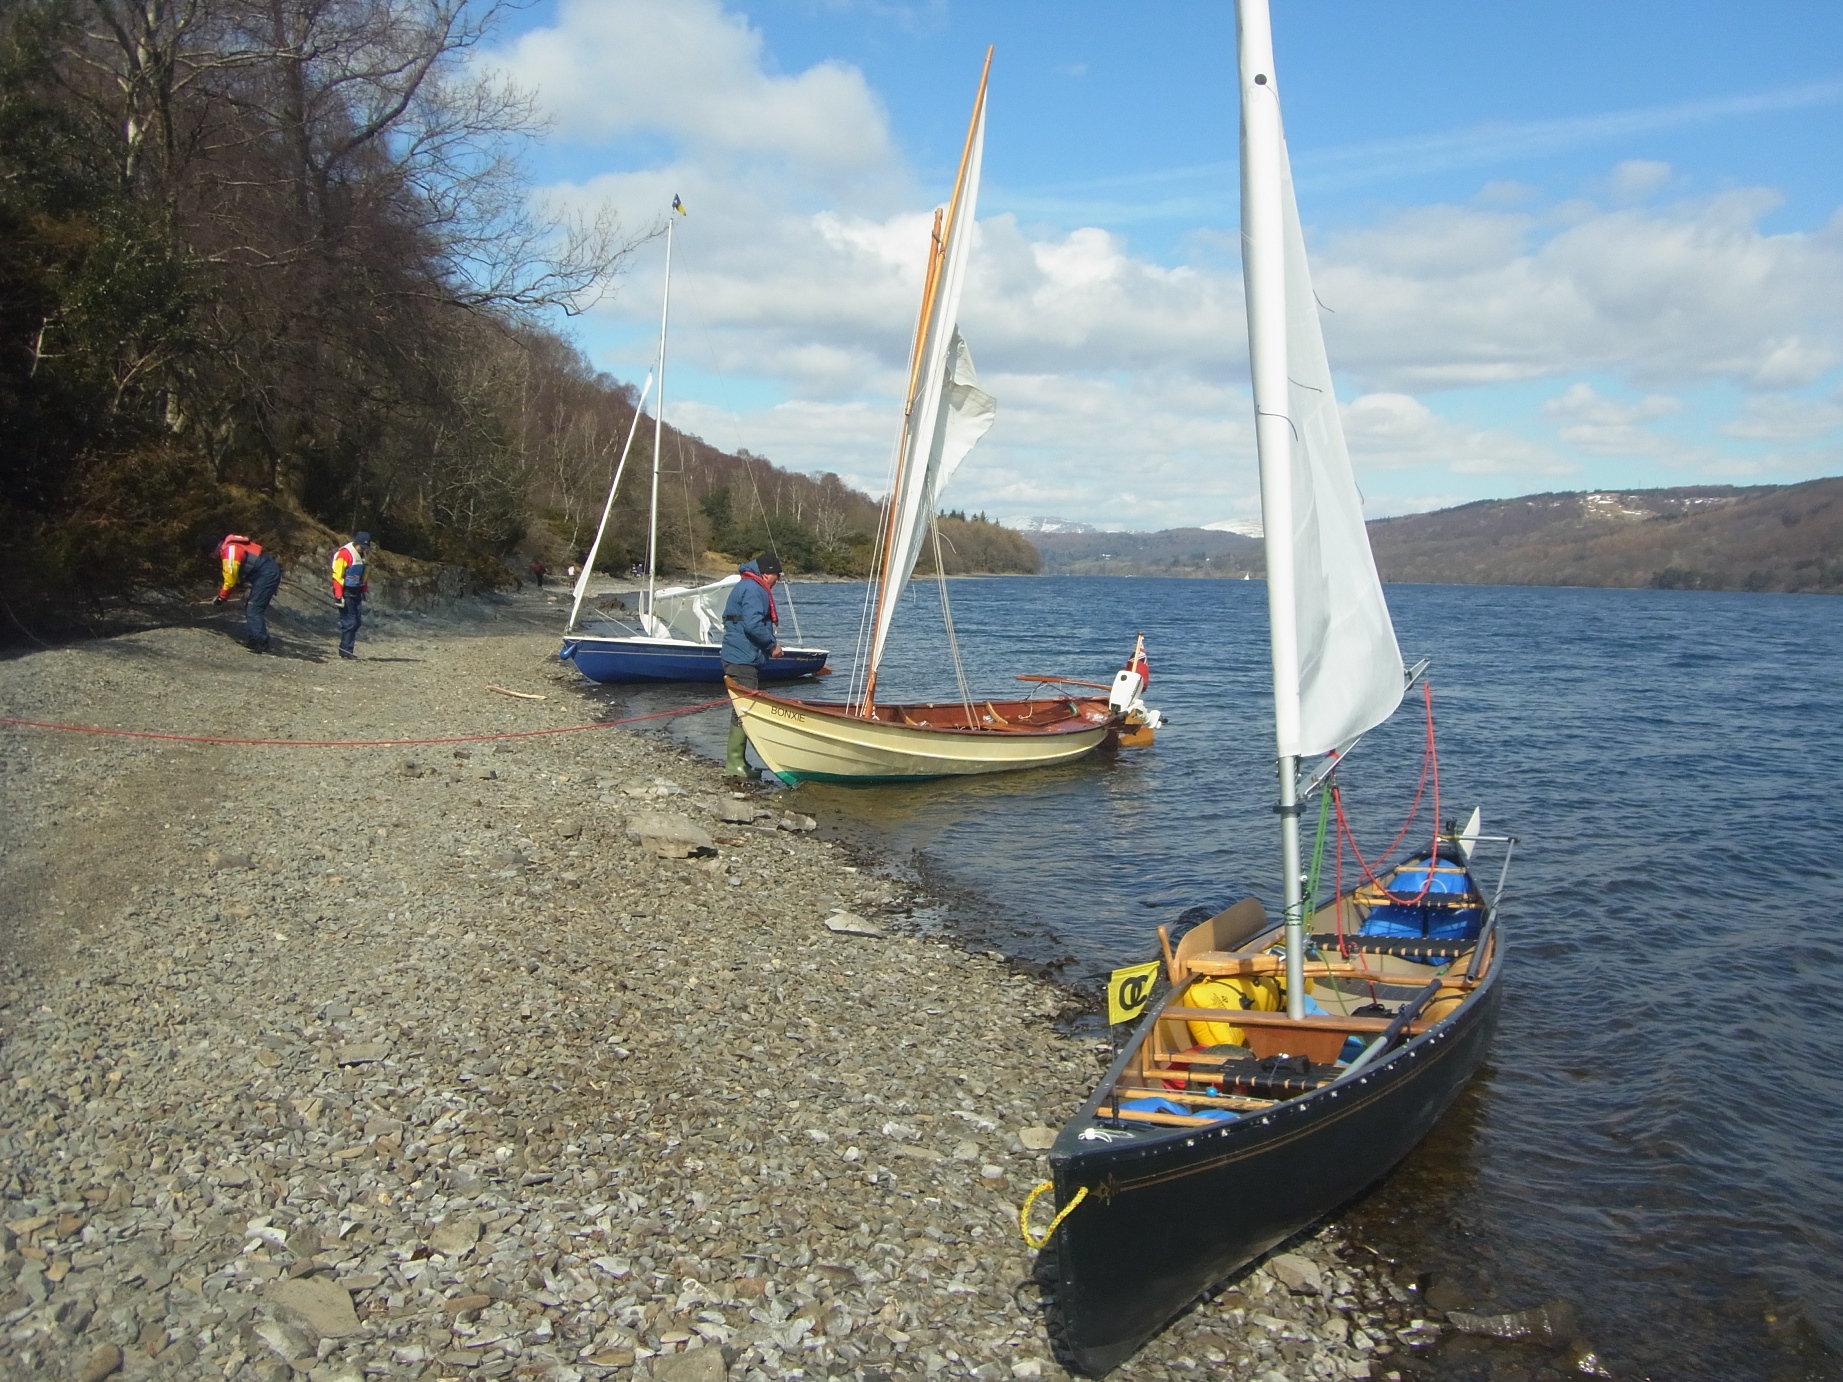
[355,743]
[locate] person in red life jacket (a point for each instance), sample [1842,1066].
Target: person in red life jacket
[242,562]
[539,571]
[749,640]
[350,586]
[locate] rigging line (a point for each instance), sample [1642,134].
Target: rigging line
[352,743]
[860,661]
[691,531]
[953,642]
[773,546]
[1430,763]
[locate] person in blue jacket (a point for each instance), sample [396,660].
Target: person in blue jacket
[749,640]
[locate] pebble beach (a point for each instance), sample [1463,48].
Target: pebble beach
[540,1056]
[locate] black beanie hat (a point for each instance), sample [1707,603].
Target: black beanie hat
[768,564]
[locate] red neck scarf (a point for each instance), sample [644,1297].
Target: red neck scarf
[773,618]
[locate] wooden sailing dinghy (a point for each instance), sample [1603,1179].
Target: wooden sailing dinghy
[944,415]
[1294,1061]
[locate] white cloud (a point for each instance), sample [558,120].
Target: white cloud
[696,72]
[1394,431]
[1779,418]
[1122,382]
[1445,297]
[1608,427]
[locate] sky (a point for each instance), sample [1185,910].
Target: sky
[1559,246]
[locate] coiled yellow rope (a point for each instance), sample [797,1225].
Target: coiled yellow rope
[1023,1215]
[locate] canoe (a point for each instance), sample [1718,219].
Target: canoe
[639,658]
[1195,1161]
[827,741]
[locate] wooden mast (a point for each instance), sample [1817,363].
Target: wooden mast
[936,248]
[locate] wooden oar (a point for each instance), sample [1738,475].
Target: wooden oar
[1069,681]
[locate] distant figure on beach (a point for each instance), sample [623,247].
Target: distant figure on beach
[243,562]
[539,571]
[573,570]
[350,586]
[749,640]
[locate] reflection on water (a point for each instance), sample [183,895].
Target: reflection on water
[1659,1137]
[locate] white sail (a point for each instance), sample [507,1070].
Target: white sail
[601,529]
[1337,668]
[948,413]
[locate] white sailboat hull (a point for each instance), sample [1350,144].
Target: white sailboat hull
[806,742]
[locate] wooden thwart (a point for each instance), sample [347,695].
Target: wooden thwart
[1236,1017]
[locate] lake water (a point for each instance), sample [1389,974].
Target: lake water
[1658,1136]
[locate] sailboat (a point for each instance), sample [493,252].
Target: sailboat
[1292,1061]
[944,414]
[680,634]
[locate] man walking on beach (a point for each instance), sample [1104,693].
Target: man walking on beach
[350,586]
[749,640]
[243,562]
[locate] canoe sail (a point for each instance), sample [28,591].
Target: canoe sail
[946,412]
[1337,669]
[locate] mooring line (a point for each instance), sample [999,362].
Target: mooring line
[353,743]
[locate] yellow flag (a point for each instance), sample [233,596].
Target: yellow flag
[1127,991]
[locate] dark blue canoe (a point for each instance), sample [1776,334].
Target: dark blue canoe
[1174,1205]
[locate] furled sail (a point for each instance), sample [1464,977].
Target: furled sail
[948,412]
[693,615]
[1337,668]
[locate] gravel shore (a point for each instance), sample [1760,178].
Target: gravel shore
[416,1062]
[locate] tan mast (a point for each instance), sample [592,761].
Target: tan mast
[869,706]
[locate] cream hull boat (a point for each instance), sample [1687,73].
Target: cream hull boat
[816,741]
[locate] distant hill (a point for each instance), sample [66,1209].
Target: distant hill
[1710,537]
[1174,552]
[1705,537]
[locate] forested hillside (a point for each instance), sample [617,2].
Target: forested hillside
[271,265]
[1705,537]
[1172,552]
[1711,537]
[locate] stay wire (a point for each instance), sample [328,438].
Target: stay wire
[1430,767]
[953,642]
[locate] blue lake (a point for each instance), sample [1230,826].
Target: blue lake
[1658,1137]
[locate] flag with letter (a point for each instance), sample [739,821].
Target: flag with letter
[678,206]
[1127,991]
